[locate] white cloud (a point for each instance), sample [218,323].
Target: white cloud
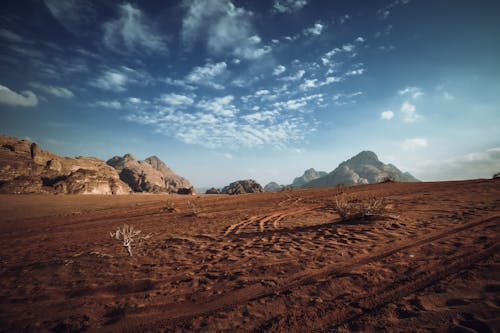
[110,104]
[308,84]
[315,30]
[131,32]
[414,92]
[298,103]
[220,106]
[224,28]
[262,92]
[206,74]
[177,83]
[117,79]
[111,80]
[228,156]
[387,115]
[176,99]
[261,116]
[53,90]
[297,76]
[360,40]
[353,72]
[289,6]
[25,98]
[415,143]
[409,111]
[280,69]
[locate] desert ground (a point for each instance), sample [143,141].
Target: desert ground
[265,262]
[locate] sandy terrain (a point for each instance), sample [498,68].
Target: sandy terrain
[271,262]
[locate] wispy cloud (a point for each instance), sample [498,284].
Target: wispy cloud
[113,104]
[131,31]
[220,106]
[414,143]
[288,6]
[60,92]
[74,15]
[384,12]
[414,92]
[223,27]
[294,77]
[118,79]
[177,100]
[25,98]
[205,75]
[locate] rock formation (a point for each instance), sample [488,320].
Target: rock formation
[364,168]
[26,168]
[242,186]
[273,187]
[150,175]
[213,190]
[309,175]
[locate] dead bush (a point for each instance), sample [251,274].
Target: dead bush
[356,209]
[126,234]
[193,207]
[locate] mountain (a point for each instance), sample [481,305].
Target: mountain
[273,187]
[150,175]
[26,168]
[242,186]
[364,168]
[309,175]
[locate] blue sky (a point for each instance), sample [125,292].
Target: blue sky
[224,90]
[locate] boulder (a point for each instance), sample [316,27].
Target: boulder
[242,186]
[186,191]
[213,190]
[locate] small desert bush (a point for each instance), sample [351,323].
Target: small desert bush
[193,207]
[356,209]
[126,235]
[496,175]
[170,206]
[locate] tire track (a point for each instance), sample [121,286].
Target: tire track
[183,312]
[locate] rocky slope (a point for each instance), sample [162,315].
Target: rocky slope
[309,175]
[26,168]
[150,175]
[364,168]
[242,186]
[273,187]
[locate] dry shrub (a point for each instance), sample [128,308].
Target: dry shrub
[193,207]
[496,175]
[356,209]
[170,206]
[126,234]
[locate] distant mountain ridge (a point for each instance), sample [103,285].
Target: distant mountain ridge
[364,168]
[309,175]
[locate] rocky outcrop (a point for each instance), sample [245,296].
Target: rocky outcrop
[187,191]
[212,190]
[309,175]
[26,168]
[242,186]
[364,168]
[150,175]
[273,187]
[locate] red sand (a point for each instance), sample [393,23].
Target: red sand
[280,262]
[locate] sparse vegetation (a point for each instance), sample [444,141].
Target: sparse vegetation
[193,207]
[496,175]
[126,234]
[170,206]
[387,179]
[354,209]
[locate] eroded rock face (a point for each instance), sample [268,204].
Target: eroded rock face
[26,168]
[242,186]
[212,190]
[364,168]
[150,175]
